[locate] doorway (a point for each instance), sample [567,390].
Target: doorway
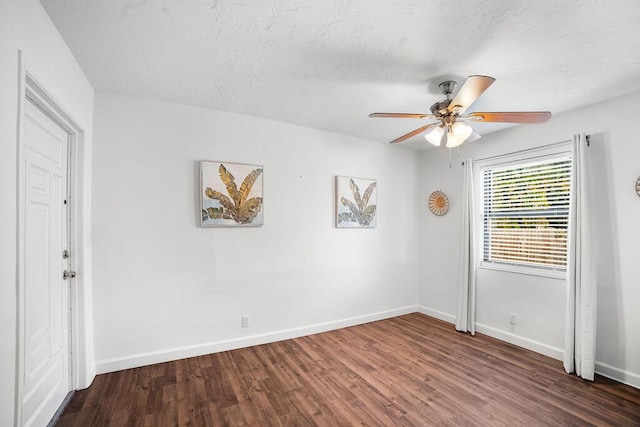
[45,366]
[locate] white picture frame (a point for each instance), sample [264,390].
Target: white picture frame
[356,202]
[231,194]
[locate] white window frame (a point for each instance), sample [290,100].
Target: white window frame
[546,153]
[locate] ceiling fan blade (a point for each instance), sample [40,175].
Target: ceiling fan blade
[402,115]
[512,117]
[472,88]
[412,133]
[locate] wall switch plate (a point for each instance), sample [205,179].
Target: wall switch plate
[512,318]
[245,321]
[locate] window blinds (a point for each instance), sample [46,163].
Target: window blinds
[526,213]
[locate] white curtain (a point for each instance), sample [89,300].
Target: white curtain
[466,306]
[580,323]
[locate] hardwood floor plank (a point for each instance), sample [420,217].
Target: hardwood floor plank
[408,370]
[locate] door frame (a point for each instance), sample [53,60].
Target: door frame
[78,369]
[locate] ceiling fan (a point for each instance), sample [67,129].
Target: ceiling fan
[451,127]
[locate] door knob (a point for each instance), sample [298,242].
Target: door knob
[68,274]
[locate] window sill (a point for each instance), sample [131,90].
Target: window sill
[519,269]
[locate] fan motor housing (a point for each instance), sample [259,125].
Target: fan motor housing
[440,108]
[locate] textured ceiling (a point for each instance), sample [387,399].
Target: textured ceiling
[327,64]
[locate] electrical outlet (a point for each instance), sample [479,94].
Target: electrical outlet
[512,319]
[245,321]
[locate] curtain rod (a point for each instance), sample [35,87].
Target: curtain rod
[528,149]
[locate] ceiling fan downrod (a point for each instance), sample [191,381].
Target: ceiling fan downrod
[439,109]
[447,88]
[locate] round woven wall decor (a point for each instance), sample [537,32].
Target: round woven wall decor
[438,203]
[638,186]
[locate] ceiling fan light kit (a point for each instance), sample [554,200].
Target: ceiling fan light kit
[435,136]
[453,128]
[461,130]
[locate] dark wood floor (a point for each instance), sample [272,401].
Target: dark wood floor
[409,370]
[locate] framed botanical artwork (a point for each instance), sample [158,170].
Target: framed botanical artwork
[230,194]
[356,202]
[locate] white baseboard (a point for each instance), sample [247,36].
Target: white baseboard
[437,314]
[625,377]
[89,377]
[529,344]
[143,359]
[603,369]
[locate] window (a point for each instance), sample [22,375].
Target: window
[526,214]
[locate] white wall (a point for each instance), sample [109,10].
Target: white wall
[166,288]
[539,302]
[25,25]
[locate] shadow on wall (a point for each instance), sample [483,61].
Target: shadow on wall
[610,325]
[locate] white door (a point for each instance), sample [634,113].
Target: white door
[45,294]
